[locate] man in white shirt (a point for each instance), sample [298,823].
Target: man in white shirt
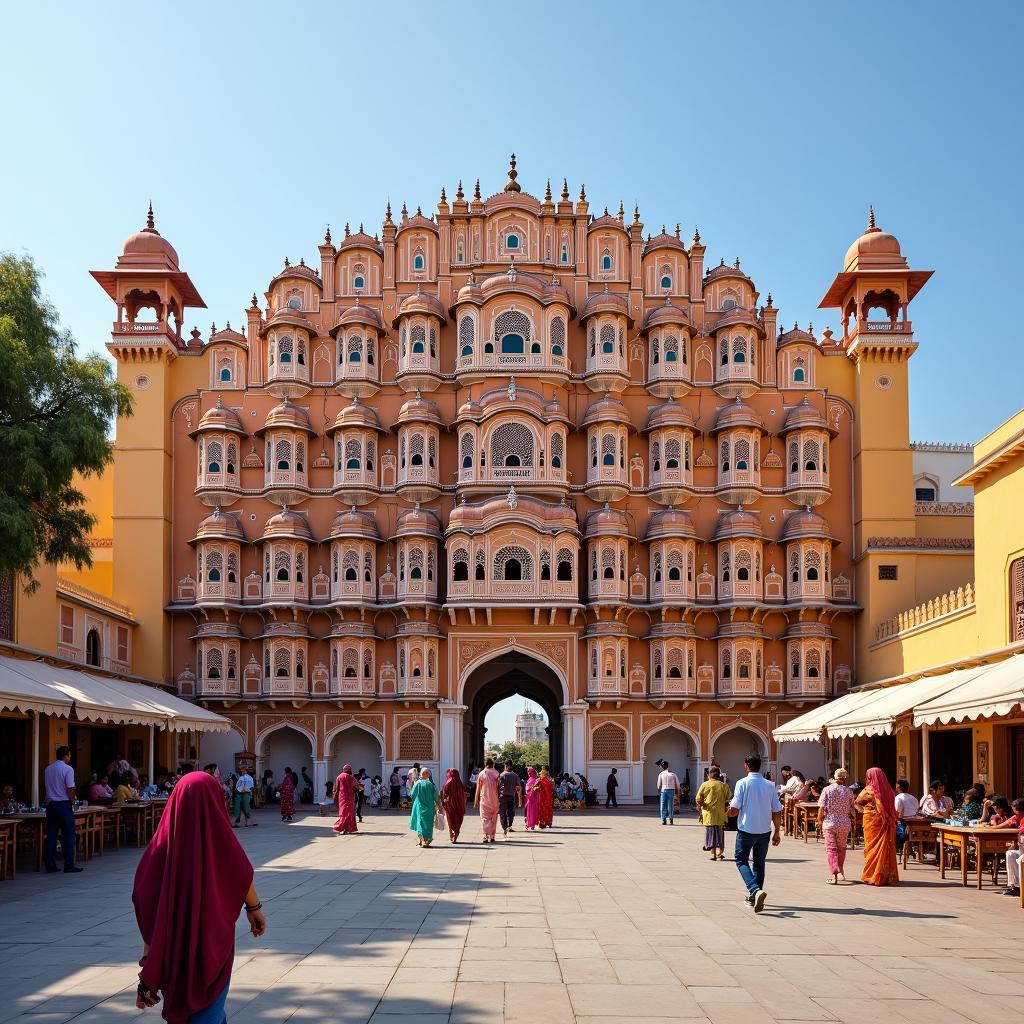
[756,804]
[907,805]
[59,780]
[243,798]
[790,782]
[936,804]
[668,787]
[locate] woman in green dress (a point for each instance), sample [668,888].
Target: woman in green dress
[425,801]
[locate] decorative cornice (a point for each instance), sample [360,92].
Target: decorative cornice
[922,543]
[943,508]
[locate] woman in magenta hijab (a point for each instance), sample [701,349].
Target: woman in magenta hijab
[345,790]
[532,799]
[453,800]
[190,886]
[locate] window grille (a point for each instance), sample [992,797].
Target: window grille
[515,555]
[512,445]
[512,322]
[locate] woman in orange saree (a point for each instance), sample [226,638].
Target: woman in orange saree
[878,803]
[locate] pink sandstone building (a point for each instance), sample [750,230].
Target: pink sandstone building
[513,447]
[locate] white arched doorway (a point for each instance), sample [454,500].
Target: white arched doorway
[674,744]
[219,748]
[732,745]
[357,746]
[284,746]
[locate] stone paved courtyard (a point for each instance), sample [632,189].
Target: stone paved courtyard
[609,918]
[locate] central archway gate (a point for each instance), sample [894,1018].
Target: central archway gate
[534,670]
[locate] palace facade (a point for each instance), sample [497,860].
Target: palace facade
[513,447]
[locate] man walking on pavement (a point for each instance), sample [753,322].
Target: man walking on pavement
[510,797]
[756,803]
[610,786]
[668,789]
[59,780]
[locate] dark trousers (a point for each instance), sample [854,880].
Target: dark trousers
[360,797]
[507,811]
[755,843]
[395,796]
[610,800]
[60,818]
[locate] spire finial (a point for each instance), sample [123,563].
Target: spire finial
[459,194]
[444,198]
[547,192]
[636,213]
[419,211]
[622,211]
[512,185]
[696,235]
[871,218]
[583,193]
[405,212]
[327,235]
[769,306]
[287,262]
[565,190]
[678,234]
[476,190]
[255,303]
[150,225]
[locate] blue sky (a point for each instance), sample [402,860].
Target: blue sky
[772,126]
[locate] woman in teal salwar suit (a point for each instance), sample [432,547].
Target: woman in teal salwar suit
[425,801]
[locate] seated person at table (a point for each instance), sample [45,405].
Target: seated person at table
[907,806]
[1013,856]
[152,789]
[100,791]
[936,804]
[996,812]
[804,790]
[971,806]
[816,789]
[123,793]
[8,805]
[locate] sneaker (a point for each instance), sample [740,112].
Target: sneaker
[672,821]
[1011,890]
[663,821]
[759,897]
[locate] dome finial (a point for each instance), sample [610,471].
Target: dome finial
[871,219]
[583,193]
[565,190]
[476,190]
[150,225]
[696,235]
[547,192]
[387,213]
[327,235]
[636,213]
[444,198]
[255,303]
[459,194]
[512,185]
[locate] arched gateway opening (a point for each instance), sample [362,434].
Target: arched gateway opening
[507,675]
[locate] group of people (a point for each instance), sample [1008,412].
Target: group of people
[496,796]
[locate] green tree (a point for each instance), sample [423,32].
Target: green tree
[535,752]
[508,751]
[55,414]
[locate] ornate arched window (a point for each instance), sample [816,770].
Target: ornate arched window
[213,456]
[726,570]
[460,566]
[511,241]
[606,260]
[558,336]
[811,455]
[672,453]
[675,566]
[466,450]
[513,563]
[557,449]
[512,332]
[812,564]
[723,452]
[666,281]
[565,560]
[512,445]
[479,571]
[607,339]
[416,564]
[283,454]
[608,450]
[739,349]
[466,336]
[353,455]
[418,337]
[214,564]
[355,349]
[743,565]
[742,453]
[351,566]
[416,450]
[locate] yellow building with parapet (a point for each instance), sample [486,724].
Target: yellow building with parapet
[950,665]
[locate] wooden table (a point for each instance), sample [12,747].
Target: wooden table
[8,847]
[919,833]
[34,826]
[804,811]
[985,841]
[139,817]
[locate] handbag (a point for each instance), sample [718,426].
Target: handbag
[439,820]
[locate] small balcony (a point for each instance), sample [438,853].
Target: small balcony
[731,686]
[607,483]
[738,486]
[671,486]
[482,591]
[285,686]
[417,590]
[669,379]
[607,686]
[418,483]
[214,591]
[740,590]
[540,480]
[357,379]
[807,487]
[808,590]
[607,371]
[354,591]
[608,590]
[736,380]
[285,590]
[419,371]
[218,490]
[536,364]
[417,686]
[355,486]
[353,686]
[288,379]
[676,591]
[808,686]
[673,686]
[218,687]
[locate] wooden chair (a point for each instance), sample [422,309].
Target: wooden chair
[110,826]
[789,817]
[919,835]
[8,849]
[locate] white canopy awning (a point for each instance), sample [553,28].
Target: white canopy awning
[21,691]
[27,685]
[807,727]
[877,715]
[993,690]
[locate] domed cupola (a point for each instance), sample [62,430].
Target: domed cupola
[419,321]
[605,318]
[357,335]
[739,540]
[807,434]
[739,430]
[670,453]
[285,434]
[355,434]
[608,425]
[419,440]
[669,335]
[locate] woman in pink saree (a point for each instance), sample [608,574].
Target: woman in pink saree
[532,799]
[486,799]
[345,793]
